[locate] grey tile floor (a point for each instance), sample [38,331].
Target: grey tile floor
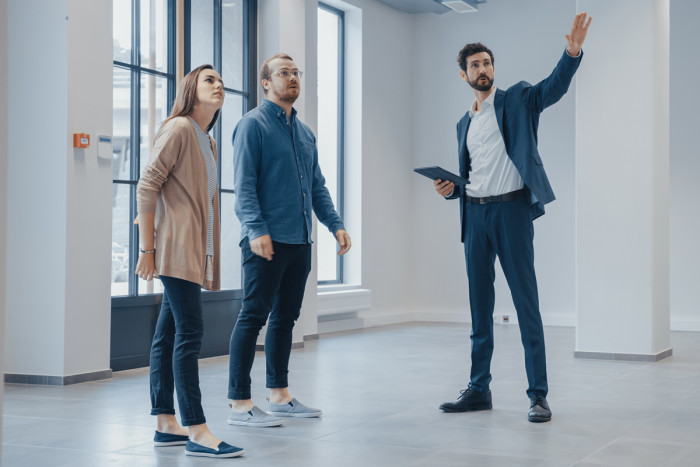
[380,389]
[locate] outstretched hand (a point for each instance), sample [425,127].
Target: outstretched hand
[574,40]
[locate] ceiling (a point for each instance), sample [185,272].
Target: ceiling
[424,6]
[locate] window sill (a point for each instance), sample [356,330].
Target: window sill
[338,299]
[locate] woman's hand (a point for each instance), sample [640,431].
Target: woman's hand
[146,267]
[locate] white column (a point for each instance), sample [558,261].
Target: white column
[290,27]
[622,182]
[3,186]
[685,166]
[59,198]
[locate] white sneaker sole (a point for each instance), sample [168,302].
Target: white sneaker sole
[206,454]
[160,444]
[297,414]
[254,424]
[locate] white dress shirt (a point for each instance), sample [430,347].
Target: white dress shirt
[492,172]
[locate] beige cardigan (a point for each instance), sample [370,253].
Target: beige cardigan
[174,186]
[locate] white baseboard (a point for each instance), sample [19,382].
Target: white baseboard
[384,319]
[367,318]
[685,325]
[442,316]
[351,324]
[568,321]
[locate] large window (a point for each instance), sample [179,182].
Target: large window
[330,130]
[218,32]
[144,89]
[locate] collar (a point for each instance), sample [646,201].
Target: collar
[276,109]
[484,105]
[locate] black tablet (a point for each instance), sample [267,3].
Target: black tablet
[436,172]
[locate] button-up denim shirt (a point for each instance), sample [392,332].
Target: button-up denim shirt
[277,179]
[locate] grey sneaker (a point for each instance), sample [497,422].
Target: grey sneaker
[254,417]
[293,408]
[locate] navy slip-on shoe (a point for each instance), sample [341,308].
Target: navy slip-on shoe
[223,450]
[166,439]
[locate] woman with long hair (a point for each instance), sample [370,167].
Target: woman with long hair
[178,216]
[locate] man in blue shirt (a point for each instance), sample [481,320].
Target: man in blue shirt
[278,183]
[508,188]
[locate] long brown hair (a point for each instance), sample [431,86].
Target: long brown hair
[186,97]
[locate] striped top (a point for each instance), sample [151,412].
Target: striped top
[208,153]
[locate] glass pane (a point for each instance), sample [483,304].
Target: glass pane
[121,124]
[154,98]
[328,99]
[230,251]
[150,287]
[232,43]
[154,34]
[328,133]
[121,30]
[327,254]
[120,238]
[202,33]
[230,115]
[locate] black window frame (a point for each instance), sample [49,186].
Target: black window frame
[249,91]
[137,71]
[249,94]
[340,195]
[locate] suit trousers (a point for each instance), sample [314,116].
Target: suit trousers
[270,288]
[503,229]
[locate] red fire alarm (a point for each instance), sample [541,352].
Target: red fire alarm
[81,140]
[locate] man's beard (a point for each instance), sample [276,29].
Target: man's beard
[481,87]
[289,97]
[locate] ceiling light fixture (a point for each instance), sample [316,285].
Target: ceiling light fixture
[459,6]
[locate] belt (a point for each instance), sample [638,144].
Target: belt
[511,196]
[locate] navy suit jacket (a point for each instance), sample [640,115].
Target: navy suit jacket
[518,114]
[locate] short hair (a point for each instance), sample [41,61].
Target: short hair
[265,72]
[469,50]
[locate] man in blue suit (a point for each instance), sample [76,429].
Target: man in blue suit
[508,189]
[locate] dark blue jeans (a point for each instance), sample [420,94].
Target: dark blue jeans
[503,229]
[175,352]
[275,289]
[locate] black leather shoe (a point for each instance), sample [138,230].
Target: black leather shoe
[470,400]
[539,409]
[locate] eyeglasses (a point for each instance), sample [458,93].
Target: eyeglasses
[285,73]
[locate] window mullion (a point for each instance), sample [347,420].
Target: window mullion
[135,131]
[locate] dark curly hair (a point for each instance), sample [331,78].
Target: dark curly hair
[469,50]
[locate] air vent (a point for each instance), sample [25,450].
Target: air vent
[459,6]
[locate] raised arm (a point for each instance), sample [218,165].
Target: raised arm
[574,40]
[551,89]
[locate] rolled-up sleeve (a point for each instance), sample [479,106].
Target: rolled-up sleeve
[247,148]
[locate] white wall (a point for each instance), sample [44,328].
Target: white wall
[685,166]
[623,182]
[89,189]
[59,199]
[289,26]
[3,185]
[36,261]
[527,39]
[387,103]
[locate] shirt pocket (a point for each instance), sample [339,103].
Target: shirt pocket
[307,156]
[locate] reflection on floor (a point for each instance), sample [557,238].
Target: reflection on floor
[380,389]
